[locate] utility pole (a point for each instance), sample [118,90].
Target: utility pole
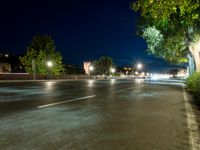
[33,68]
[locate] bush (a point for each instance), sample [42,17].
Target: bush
[193,84]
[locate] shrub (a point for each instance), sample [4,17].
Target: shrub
[193,84]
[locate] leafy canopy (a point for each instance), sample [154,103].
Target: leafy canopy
[164,24]
[103,65]
[164,12]
[41,50]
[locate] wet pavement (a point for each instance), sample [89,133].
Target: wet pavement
[92,115]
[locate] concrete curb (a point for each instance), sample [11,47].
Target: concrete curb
[193,130]
[192,123]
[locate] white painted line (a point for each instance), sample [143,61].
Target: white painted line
[67,101]
[192,124]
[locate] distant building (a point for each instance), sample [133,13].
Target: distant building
[126,70]
[10,63]
[5,65]
[86,67]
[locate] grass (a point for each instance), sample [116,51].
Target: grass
[193,84]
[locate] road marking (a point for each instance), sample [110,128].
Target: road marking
[67,101]
[192,124]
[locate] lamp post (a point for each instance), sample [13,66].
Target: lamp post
[91,68]
[33,68]
[112,70]
[139,66]
[49,65]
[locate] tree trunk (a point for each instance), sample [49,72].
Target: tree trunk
[191,64]
[195,50]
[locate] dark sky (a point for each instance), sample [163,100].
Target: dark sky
[82,29]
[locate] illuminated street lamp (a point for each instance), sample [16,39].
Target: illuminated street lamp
[91,68]
[49,65]
[112,70]
[139,66]
[143,73]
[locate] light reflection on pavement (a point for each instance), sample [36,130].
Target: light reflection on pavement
[124,115]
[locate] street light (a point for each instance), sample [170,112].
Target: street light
[112,70]
[49,65]
[139,66]
[91,68]
[33,68]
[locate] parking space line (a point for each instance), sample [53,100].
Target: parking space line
[67,101]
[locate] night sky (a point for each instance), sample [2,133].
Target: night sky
[81,29]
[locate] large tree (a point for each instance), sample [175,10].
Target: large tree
[41,50]
[170,48]
[176,21]
[103,65]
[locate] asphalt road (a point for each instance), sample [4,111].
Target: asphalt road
[92,115]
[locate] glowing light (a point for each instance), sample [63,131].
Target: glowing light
[112,70]
[91,68]
[160,76]
[136,73]
[139,66]
[154,77]
[49,64]
[139,81]
[90,83]
[112,81]
[122,76]
[49,85]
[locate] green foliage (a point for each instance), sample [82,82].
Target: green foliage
[171,49]
[193,84]
[41,50]
[164,25]
[153,38]
[195,39]
[175,47]
[103,65]
[163,12]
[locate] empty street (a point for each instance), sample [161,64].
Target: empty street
[92,115]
